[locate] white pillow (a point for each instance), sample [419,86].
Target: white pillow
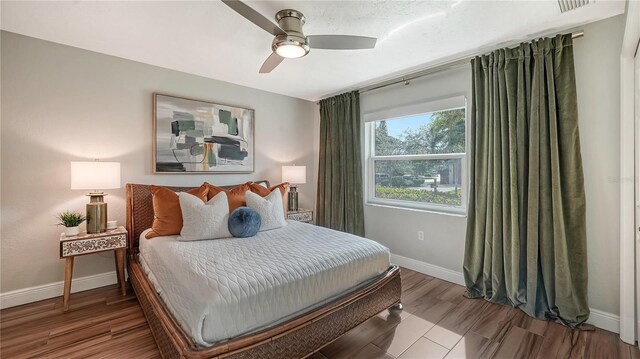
[269,208]
[204,220]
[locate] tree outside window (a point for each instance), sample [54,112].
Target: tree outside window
[419,158]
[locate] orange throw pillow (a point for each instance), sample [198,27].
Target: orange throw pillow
[264,191]
[167,215]
[235,195]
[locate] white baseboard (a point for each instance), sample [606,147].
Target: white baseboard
[428,269]
[600,319]
[604,320]
[51,290]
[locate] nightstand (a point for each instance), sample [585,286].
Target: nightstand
[301,215]
[85,243]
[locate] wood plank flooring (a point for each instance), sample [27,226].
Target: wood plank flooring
[438,322]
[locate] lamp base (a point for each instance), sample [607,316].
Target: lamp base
[293,199]
[96,213]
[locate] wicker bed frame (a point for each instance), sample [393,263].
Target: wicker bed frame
[296,338]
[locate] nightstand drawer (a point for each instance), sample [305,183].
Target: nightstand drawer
[92,245]
[86,243]
[301,216]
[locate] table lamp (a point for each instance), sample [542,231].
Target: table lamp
[95,176]
[294,175]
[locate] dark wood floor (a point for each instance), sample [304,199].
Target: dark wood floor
[437,322]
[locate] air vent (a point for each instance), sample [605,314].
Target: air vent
[568,5]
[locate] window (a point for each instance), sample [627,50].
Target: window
[416,156]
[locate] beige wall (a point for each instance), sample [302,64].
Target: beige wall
[597,61]
[597,64]
[61,104]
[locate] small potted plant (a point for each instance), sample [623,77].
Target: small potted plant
[71,220]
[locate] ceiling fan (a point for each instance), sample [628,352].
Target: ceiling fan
[290,42]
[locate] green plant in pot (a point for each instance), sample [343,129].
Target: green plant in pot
[71,221]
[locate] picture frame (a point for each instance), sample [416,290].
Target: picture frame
[199,136]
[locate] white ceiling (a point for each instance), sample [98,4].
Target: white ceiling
[207,38]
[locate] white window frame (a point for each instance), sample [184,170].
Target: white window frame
[449,103]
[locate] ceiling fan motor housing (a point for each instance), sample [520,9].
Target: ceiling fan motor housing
[291,22]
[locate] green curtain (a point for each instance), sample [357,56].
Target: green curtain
[339,201]
[526,237]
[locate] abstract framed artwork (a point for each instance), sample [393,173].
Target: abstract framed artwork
[194,136]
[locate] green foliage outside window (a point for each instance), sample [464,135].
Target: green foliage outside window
[453,198]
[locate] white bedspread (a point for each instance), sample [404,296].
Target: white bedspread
[220,289]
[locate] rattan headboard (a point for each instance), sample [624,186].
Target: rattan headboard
[140,210]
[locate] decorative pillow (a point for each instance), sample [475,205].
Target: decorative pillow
[244,222]
[167,216]
[204,220]
[264,191]
[269,208]
[235,195]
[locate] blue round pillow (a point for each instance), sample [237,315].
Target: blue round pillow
[244,222]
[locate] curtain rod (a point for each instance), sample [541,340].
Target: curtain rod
[438,68]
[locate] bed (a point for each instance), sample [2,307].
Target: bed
[297,327]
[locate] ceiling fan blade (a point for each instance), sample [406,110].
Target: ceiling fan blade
[255,17]
[341,42]
[272,61]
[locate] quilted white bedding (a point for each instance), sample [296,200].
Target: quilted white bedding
[220,289]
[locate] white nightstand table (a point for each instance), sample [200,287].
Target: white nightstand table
[85,243]
[301,215]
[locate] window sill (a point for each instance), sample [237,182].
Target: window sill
[453,213]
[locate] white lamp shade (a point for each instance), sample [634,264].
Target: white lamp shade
[95,175]
[294,174]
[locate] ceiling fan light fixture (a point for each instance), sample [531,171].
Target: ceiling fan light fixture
[290,47]
[290,51]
